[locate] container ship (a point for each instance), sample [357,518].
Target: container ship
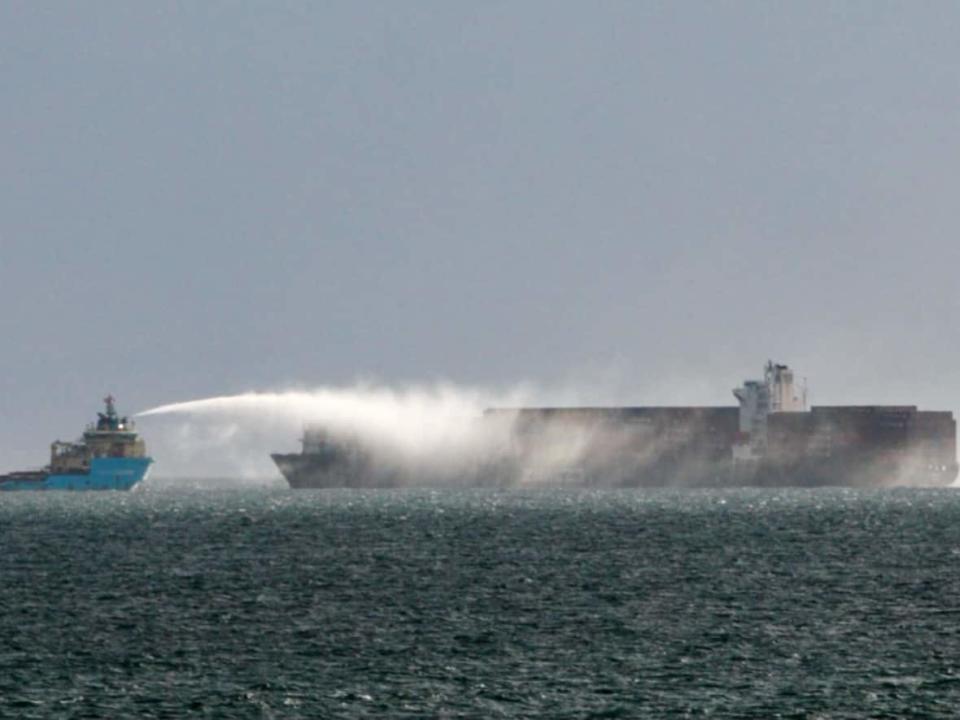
[770,438]
[109,456]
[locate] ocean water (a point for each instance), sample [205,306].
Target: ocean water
[480,604]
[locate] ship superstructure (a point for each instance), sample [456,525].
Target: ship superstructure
[771,438]
[109,456]
[759,399]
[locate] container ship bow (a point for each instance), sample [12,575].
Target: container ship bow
[771,438]
[109,456]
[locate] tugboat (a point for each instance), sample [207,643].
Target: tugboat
[109,456]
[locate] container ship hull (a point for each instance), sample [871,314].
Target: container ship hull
[770,440]
[303,473]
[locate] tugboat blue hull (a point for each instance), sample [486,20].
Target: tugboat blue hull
[108,473]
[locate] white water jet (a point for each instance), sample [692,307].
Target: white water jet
[436,428]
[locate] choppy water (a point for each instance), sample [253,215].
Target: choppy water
[417,604]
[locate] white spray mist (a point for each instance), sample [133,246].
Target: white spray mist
[437,430]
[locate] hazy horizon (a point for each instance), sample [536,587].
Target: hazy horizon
[615,203]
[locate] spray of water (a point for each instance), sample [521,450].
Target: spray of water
[437,430]
[437,434]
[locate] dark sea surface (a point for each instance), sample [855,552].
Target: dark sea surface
[485,604]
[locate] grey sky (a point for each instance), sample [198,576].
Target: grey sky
[206,198]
